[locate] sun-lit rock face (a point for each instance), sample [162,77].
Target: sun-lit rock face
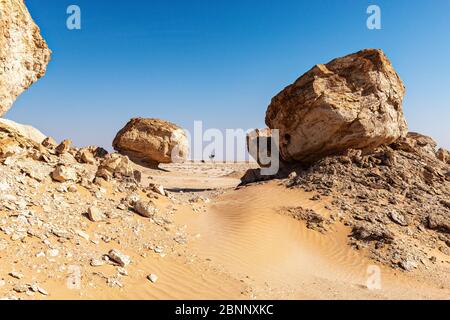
[152,141]
[27,131]
[24,54]
[352,102]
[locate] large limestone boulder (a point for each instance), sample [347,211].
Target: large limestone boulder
[24,55]
[352,102]
[152,141]
[27,131]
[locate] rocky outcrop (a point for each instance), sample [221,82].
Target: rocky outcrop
[393,197]
[352,102]
[24,55]
[152,141]
[28,132]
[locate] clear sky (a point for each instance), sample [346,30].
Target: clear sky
[221,61]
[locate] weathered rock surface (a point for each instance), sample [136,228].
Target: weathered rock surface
[13,142]
[63,173]
[115,166]
[443,155]
[24,55]
[393,198]
[352,102]
[120,258]
[152,141]
[63,147]
[95,215]
[145,209]
[27,131]
[49,142]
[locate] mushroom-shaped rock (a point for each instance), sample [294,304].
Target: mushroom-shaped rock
[152,141]
[352,102]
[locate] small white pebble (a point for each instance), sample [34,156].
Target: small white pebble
[153,278]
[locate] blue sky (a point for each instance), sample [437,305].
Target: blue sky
[221,61]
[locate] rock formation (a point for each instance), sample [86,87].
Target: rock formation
[24,55]
[152,141]
[352,102]
[28,132]
[392,197]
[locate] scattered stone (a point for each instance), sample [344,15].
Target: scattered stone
[20,288]
[63,174]
[72,188]
[159,189]
[292,175]
[122,271]
[408,265]
[63,147]
[398,218]
[50,143]
[115,166]
[16,275]
[86,156]
[443,155]
[120,258]
[146,209]
[96,263]
[43,291]
[372,232]
[53,253]
[95,215]
[153,278]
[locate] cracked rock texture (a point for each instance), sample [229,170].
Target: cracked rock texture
[24,55]
[352,102]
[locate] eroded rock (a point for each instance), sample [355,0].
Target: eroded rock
[352,102]
[24,55]
[152,141]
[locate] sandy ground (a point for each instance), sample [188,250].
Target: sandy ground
[240,247]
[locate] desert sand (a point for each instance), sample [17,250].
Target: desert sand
[236,245]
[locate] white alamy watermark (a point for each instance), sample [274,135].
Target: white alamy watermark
[73,280]
[232,145]
[73,21]
[374,19]
[373,277]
